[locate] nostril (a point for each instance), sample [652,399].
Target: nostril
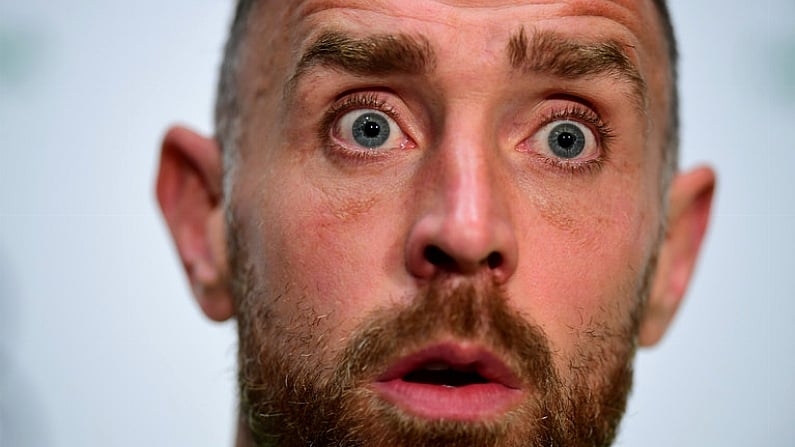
[438,257]
[494,260]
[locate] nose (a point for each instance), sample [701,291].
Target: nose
[464,227]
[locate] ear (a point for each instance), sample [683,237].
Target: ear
[689,204]
[189,192]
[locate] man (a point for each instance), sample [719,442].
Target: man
[439,222]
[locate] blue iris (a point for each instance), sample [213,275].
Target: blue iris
[371,130]
[566,140]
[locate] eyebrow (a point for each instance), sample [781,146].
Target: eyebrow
[376,55]
[547,52]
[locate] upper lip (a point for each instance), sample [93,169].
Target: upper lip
[462,356]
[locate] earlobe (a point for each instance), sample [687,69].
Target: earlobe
[689,204]
[189,193]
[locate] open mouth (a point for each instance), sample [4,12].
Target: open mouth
[443,374]
[456,381]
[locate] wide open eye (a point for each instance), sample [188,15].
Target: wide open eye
[566,140]
[370,129]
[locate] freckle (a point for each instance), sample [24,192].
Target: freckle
[353,208]
[554,213]
[581,221]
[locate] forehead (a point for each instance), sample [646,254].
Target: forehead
[464,26]
[637,19]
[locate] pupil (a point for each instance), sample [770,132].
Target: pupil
[566,140]
[371,129]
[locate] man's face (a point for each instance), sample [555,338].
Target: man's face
[443,218]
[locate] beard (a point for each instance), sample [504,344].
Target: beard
[291,395]
[295,391]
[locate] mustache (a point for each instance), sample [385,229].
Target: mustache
[291,400]
[476,311]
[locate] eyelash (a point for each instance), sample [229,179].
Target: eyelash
[602,131]
[368,100]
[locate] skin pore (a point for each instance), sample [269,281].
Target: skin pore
[476,185]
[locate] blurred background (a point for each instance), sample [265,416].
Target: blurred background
[101,344]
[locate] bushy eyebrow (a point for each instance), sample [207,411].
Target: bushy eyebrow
[376,55]
[547,52]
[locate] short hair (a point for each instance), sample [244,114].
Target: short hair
[227,101]
[227,106]
[671,147]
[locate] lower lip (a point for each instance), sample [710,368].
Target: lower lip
[476,402]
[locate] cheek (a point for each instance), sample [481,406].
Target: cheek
[326,253]
[583,258]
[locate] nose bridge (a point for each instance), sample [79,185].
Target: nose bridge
[466,225]
[469,199]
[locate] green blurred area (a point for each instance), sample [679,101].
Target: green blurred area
[21,54]
[782,70]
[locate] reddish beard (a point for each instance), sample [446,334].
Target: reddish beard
[297,402]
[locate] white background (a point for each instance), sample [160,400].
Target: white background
[101,345]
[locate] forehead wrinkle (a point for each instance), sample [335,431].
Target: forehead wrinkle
[307,8]
[550,53]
